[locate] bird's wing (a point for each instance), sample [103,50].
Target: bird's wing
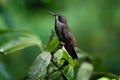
[68,44]
[67,35]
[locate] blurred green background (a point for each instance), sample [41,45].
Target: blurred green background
[95,24]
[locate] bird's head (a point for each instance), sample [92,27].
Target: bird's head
[59,18]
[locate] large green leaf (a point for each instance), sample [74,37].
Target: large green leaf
[18,44]
[39,66]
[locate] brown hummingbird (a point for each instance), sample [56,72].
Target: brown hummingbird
[64,34]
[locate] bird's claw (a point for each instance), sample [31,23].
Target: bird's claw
[61,44]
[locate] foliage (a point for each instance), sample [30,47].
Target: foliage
[52,61]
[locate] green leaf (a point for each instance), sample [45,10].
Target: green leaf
[69,72]
[18,44]
[84,71]
[39,65]
[61,54]
[53,45]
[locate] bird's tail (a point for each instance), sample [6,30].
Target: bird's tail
[70,49]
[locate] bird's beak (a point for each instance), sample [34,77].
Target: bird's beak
[51,13]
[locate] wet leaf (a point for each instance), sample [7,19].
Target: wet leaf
[39,65]
[18,44]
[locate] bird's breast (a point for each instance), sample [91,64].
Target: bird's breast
[58,29]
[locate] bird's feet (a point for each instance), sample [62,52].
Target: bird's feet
[61,44]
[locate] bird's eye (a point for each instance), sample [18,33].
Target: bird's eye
[60,19]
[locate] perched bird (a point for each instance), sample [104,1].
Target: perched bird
[64,34]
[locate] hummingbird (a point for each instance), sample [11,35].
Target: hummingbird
[64,34]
